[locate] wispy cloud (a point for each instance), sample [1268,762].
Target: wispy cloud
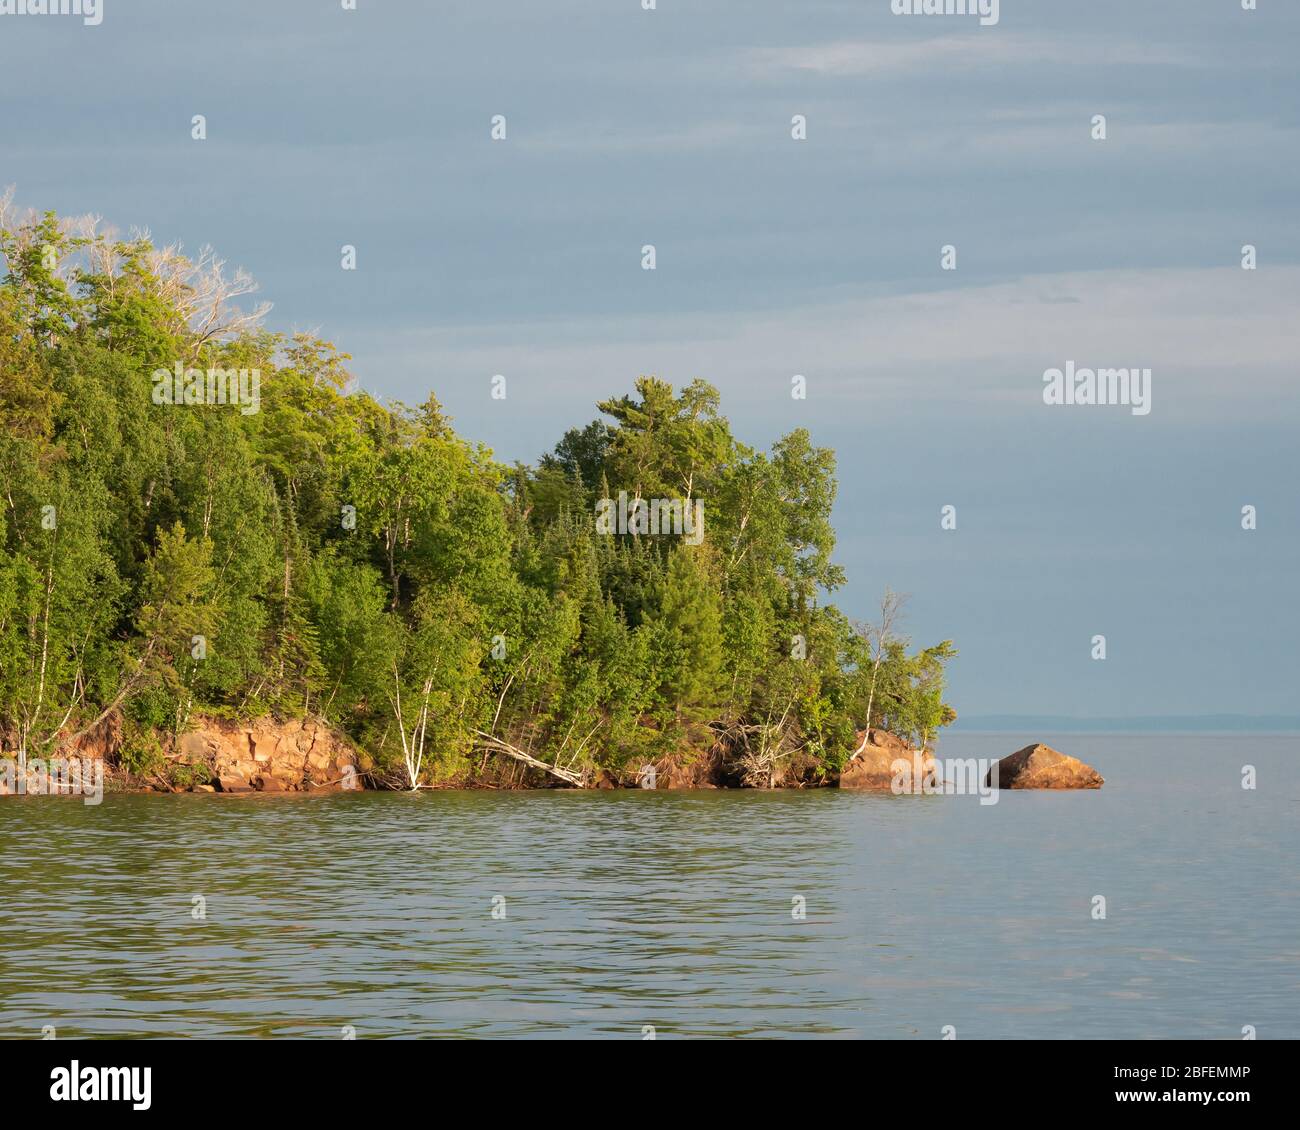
[1204,332]
[943,53]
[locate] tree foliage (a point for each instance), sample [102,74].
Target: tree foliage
[334,555]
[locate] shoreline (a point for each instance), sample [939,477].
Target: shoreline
[310,757]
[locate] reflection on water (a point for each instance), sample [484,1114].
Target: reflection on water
[671,909]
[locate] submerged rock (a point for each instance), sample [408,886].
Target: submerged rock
[1039,766]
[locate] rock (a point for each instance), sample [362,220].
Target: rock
[100,743]
[194,747]
[233,784]
[1039,766]
[271,755]
[202,789]
[873,767]
[697,775]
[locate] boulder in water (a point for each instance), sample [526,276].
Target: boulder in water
[1039,766]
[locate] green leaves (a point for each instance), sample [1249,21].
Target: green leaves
[176,605]
[331,553]
[666,446]
[689,627]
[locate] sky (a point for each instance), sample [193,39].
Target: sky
[774,257]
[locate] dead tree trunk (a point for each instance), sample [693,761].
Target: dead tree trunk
[496,745]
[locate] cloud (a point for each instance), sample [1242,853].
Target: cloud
[622,139]
[1218,342]
[944,53]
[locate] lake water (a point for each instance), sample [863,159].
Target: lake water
[673,909]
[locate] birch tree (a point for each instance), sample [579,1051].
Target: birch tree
[878,635]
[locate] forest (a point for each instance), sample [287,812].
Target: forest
[300,548]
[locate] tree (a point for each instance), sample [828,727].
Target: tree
[691,623]
[334,553]
[666,446]
[878,636]
[436,693]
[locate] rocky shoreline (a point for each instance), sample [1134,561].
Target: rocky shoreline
[309,755]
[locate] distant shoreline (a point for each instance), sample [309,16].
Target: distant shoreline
[1271,724]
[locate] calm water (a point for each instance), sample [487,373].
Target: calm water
[673,909]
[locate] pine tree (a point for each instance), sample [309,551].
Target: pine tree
[691,623]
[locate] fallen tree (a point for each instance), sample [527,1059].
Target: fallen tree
[492,744]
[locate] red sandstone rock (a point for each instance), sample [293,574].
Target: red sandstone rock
[873,765]
[1039,766]
[233,784]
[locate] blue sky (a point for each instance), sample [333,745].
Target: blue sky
[777,257]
